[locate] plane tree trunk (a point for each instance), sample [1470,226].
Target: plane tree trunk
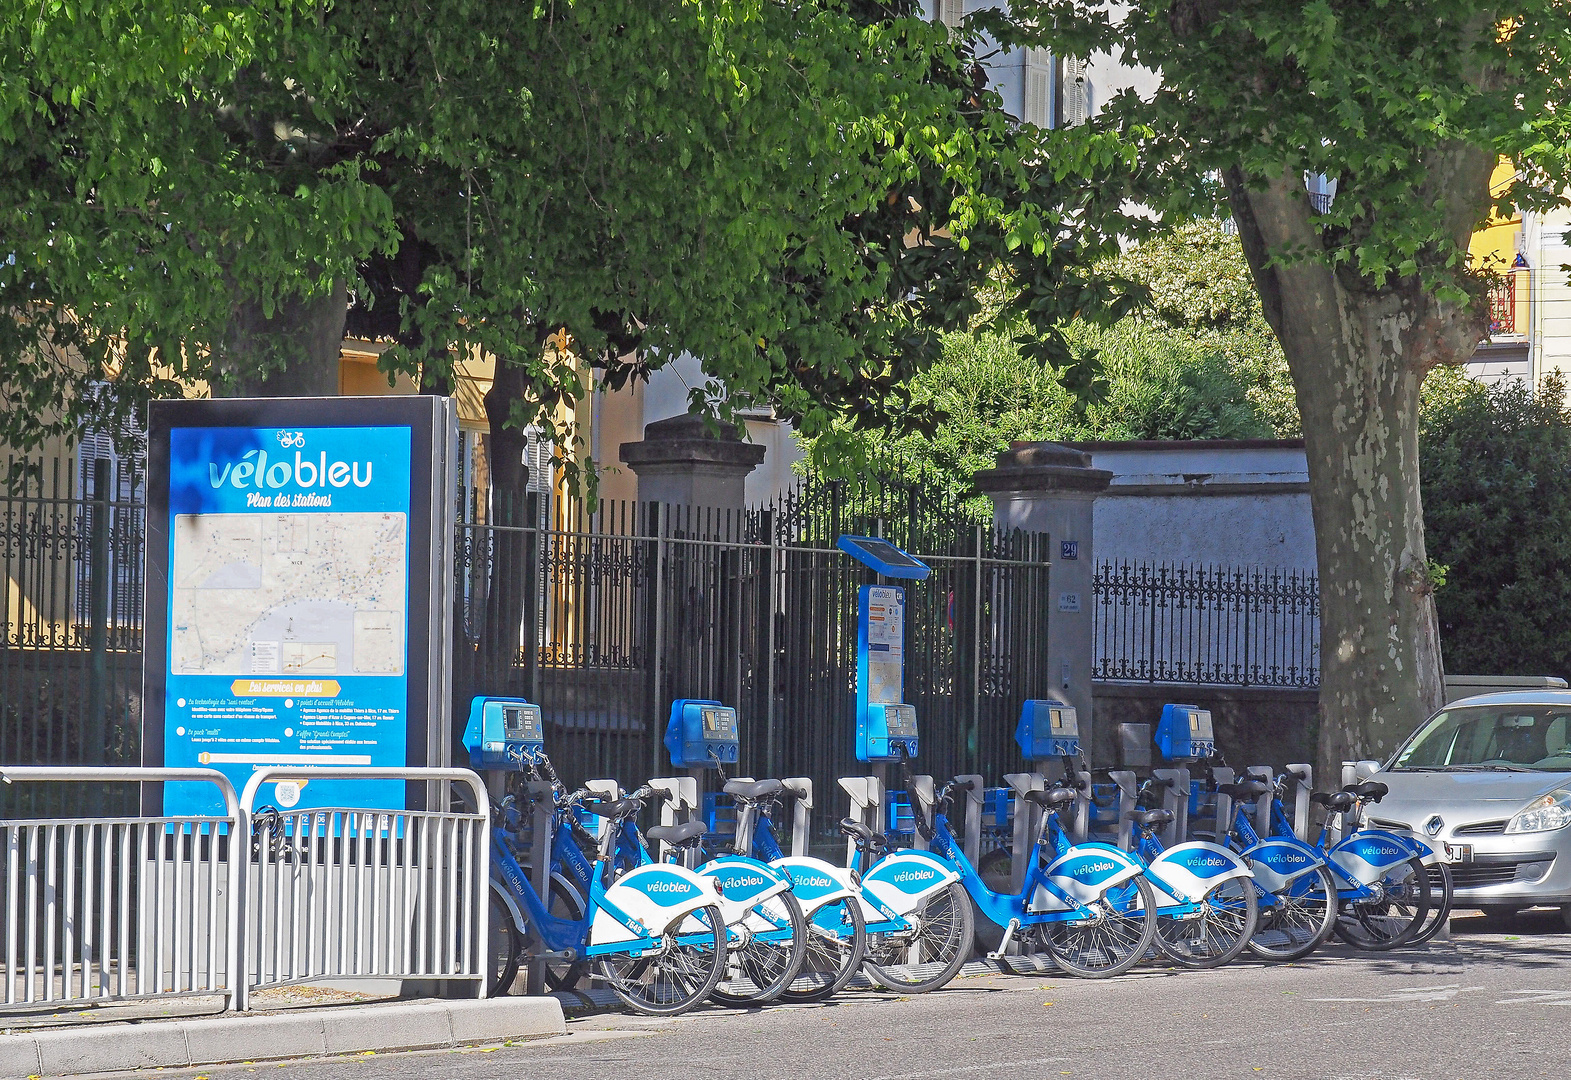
[1358,353]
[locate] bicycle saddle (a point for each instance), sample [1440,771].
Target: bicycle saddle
[614,808]
[861,833]
[688,834]
[757,789]
[1369,789]
[1244,789]
[1150,817]
[1334,800]
[1050,797]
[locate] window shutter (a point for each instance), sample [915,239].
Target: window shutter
[950,12]
[1038,88]
[1077,92]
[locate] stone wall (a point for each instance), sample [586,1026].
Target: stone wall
[1254,725]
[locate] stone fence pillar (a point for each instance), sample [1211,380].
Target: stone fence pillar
[1046,487]
[681,461]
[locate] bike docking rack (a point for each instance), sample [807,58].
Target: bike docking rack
[154,907]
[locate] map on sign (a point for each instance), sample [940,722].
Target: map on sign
[885,644]
[299,595]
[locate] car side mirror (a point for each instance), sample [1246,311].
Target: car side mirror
[1364,770]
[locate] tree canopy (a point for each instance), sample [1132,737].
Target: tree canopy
[1406,106]
[802,196]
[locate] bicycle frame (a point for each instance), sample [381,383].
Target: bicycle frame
[617,920]
[1058,892]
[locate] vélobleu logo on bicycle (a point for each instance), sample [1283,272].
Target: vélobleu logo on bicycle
[1094,866]
[744,881]
[668,885]
[311,477]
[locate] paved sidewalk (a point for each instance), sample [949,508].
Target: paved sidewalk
[291,1034]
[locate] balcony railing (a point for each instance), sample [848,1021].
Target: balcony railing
[1502,305]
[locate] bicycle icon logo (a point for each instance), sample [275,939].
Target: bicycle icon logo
[290,439]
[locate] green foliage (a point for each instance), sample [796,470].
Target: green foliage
[1496,466]
[739,181]
[1198,362]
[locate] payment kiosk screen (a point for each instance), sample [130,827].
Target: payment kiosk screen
[719,724]
[1200,725]
[901,720]
[520,722]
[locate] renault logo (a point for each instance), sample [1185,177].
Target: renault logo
[1434,825]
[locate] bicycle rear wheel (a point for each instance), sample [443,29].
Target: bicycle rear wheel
[1299,920]
[1114,940]
[1395,918]
[1441,895]
[774,933]
[691,959]
[836,943]
[503,940]
[1215,934]
[928,955]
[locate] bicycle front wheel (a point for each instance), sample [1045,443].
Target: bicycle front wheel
[929,954]
[1216,933]
[836,943]
[1113,940]
[1392,918]
[772,950]
[691,959]
[1299,918]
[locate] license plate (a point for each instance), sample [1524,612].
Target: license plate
[1459,853]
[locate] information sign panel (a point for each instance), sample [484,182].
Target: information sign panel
[297,553]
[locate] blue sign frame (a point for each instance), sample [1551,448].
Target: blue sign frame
[294,567]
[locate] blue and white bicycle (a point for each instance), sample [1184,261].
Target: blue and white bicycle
[656,935]
[1088,905]
[1207,905]
[768,930]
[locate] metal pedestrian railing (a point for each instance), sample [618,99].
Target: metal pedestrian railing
[118,909]
[106,910]
[346,893]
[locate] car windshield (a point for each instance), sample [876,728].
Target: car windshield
[1505,737]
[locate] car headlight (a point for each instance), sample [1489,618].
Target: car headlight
[1543,814]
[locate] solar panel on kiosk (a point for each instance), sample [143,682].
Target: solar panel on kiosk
[884,557]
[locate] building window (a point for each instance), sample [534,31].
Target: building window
[950,12]
[1038,107]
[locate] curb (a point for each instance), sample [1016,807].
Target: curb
[350,1029]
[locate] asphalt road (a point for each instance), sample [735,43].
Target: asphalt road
[1494,1001]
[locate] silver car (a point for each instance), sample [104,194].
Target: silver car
[1490,777]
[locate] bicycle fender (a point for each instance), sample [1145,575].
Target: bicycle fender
[903,880]
[1087,871]
[500,890]
[1278,861]
[744,883]
[1369,854]
[1424,851]
[815,882]
[1187,872]
[654,896]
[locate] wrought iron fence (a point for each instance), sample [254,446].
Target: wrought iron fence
[71,596]
[1216,625]
[605,618]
